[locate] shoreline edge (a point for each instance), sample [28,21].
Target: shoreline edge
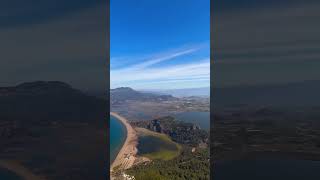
[127,154]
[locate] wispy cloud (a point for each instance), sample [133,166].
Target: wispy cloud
[140,61]
[162,58]
[145,74]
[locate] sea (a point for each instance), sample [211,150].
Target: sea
[118,135]
[201,119]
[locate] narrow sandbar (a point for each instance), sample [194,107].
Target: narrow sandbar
[127,154]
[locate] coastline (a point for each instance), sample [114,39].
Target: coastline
[127,154]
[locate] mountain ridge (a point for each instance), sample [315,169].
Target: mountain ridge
[122,94]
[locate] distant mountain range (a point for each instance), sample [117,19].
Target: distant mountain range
[49,101]
[202,92]
[125,93]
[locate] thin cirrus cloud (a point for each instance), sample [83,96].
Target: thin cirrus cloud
[149,75]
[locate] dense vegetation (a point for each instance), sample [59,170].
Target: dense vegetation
[193,161]
[189,165]
[179,131]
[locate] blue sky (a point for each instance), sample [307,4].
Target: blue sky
[160,44]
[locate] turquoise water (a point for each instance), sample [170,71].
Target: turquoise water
[117,137]
[201,119]
[7,175]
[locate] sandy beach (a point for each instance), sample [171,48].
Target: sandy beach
[127,154]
